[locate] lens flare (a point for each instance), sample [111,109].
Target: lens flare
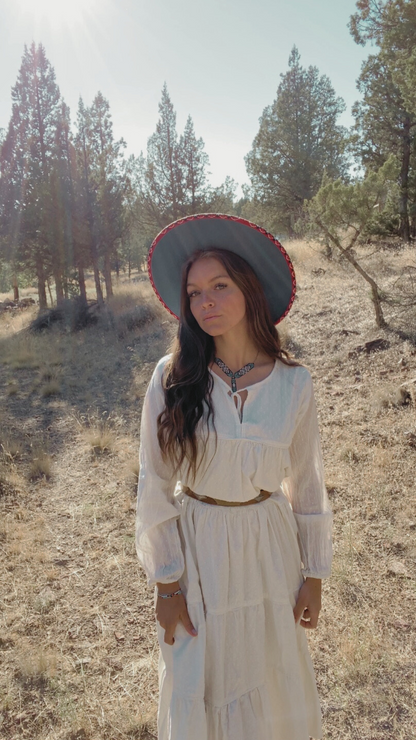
[60,14]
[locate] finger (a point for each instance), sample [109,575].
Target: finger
[169,638]
[309,624]
[314,621]
[298,610]
[187,623]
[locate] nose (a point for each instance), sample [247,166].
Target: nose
[207,300]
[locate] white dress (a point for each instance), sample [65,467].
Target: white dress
[248,674]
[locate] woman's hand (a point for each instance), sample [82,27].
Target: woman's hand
[308,604]
[171,611]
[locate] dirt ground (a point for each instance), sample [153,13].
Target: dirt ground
[77,640]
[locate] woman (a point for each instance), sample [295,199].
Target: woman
[233,521]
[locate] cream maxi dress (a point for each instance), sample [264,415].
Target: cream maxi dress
[248,674]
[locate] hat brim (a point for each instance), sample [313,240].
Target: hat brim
[175,244]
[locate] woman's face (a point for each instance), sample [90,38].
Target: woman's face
[216,302]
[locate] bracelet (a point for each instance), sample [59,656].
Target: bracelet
[169,596]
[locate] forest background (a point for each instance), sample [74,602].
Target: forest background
[71,201]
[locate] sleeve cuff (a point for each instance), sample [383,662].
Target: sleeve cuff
[165,577]
[311,574]
[315,542]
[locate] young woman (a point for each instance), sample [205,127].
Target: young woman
[233,521]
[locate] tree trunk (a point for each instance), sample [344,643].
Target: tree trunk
[375,293]
[99,292]
[81,282]
[59,288]
[413,226]
[94,258]
[107,276]
[43,303]
[49,291]
[404,182]
[15,287]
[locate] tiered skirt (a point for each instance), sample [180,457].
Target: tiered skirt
[248,674]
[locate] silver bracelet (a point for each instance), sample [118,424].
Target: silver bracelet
[169,596]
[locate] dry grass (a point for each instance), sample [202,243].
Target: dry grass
[101,439]
[76,616]
[40,465]
[303,254]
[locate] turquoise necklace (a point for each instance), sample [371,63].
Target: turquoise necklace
[237,374]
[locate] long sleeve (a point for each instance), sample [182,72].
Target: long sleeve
[157,537]
[305,489]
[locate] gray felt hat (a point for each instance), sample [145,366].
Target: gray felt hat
[175,243]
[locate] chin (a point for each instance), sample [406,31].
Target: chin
[213,332]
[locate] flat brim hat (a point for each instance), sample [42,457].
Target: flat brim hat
[178,241]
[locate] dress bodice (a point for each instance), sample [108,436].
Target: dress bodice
[270,442]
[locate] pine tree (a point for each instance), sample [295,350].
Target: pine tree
[26,160]
[102,185]
[163,177]
[298,140]
[193,162]
[222,198]
[86,194]
[341,214]
[383,127]
[109,183]
[69,186]
[386,117]
[172,180]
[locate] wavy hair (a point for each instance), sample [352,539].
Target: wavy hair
[187,382]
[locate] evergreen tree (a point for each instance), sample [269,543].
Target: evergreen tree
[384,127]
[26,162]
[222,198]
[342,214]
[69,185]
[136,238]
[193,162]
[102,182]
[60,206]
[400,41]
[386,117]
[164,183]
[85,194]
[298,140]
[107,176]
[172,180]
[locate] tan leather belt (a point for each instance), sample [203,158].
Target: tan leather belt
[263,495]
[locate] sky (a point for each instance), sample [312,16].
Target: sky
[221,61]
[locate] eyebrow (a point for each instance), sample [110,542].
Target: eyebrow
[217,277]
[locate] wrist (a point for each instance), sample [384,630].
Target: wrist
[167,588]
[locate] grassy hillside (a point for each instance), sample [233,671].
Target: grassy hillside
[77,643]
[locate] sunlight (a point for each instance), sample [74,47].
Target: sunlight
[59,14]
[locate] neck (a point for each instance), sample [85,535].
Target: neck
[235,350]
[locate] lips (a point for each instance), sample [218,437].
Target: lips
[213,316]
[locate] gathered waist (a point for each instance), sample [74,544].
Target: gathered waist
[263,495]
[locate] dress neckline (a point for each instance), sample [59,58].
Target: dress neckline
[247,387]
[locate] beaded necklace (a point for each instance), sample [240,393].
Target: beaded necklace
[237,374]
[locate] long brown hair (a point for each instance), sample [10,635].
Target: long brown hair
[188,383]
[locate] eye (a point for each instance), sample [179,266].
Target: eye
[193,294]
[220,286]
